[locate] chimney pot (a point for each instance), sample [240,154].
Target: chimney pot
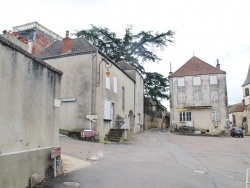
[218,64]
[66,43]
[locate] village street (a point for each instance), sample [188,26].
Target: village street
[158,158]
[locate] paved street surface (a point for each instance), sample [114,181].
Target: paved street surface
[154,159]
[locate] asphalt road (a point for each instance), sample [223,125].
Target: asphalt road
[161,159]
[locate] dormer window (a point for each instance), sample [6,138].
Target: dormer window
[246,91]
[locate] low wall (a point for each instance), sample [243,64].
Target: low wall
[152,122]
[17,167]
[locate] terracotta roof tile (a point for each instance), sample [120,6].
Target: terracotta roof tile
[195,66]
[239,107]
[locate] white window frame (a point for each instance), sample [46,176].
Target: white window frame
[214,95]
[197,81]
[107,110]
[180,82]
[215,115]
[115,84]
[197,95]
[213,80]
[185,116]
[181,97]
[107,82]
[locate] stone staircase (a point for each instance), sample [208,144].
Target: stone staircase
[115,135]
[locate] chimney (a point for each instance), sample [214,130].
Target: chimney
[170,72]
[66,43]
[218,65]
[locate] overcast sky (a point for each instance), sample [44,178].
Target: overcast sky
[209,29]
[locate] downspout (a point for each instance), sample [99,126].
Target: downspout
[91,85]
[134,107]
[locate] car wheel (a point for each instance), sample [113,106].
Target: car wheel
[232,135]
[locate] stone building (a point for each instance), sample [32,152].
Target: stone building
[198,96]
[91,98]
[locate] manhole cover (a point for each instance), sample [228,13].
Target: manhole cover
[199,171]
[71,184]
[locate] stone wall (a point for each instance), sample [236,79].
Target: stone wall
[28,117]
[152,122]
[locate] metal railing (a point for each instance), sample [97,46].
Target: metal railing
[38,26]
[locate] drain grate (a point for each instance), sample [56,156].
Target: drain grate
[199,171]
[71,184]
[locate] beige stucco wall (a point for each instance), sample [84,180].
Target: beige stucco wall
[202,117]
[76,83]
[139,103]
[116,98]
[238,118]
[28,118]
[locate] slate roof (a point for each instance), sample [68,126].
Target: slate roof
[247,81]
[239,107]
[79,45]
[195,66]
[125,65]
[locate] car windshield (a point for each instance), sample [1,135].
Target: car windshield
[237,129]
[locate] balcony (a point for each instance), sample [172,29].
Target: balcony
[197,104]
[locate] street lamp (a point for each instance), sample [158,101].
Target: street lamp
[107,65]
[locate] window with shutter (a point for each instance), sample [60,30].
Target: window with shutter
[215,116]
[197,95]
[196,81]
[214,95]
[181,82]
[107,110]
[123,98]
[181,97]
[213,80]
[115,84]
[107,82]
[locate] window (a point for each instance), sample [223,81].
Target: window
[181,82]
[215,116]
[196,81]
[107,82]
[185,116]
[123,98]
[115,84]
[197,95]
[213,80]
[181,97]
[246,91]
[214,95]
[107,109]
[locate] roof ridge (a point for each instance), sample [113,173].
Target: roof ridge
[196,66]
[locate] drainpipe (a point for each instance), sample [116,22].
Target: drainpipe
[134,107]
[91,85]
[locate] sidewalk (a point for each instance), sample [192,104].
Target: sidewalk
[77,154]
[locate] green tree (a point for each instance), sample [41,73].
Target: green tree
[156,86]
[133,48]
